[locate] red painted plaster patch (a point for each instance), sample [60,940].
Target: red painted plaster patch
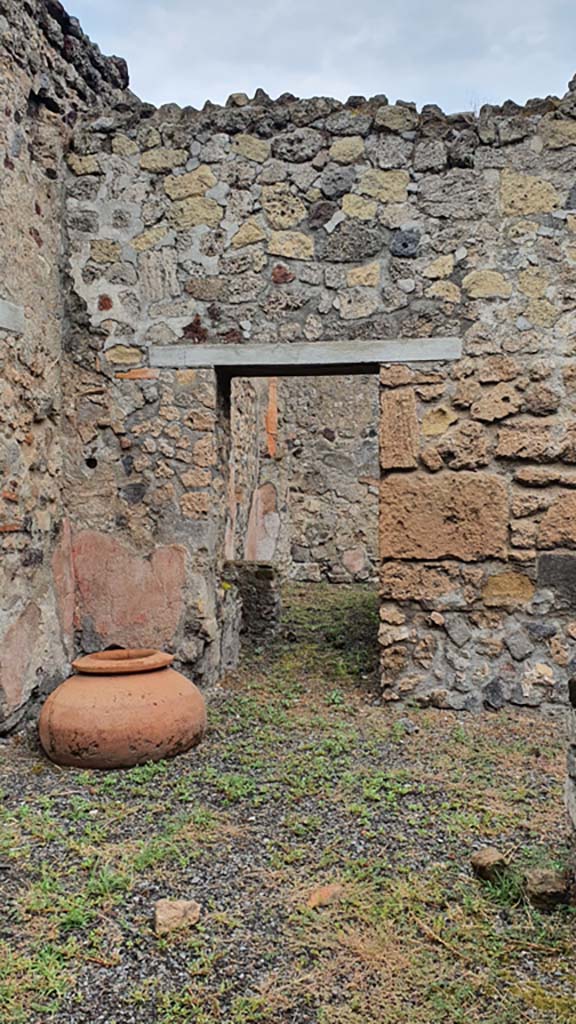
[131,600]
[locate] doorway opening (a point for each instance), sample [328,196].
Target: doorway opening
[303,495]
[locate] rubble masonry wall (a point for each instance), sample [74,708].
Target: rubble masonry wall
[279,221]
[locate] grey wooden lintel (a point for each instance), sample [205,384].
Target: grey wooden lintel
[302,354]
[11,317]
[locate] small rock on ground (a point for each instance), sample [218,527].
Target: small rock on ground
[173,915]
[546,889]
[408,725]
[489,864]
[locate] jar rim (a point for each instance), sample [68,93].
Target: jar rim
[122,661]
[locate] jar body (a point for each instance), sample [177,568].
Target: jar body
[101,720]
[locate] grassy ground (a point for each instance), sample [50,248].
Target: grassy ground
[302,781]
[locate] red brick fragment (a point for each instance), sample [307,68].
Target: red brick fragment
[142,373]
[281,274]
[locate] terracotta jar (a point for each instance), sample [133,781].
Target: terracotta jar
[123,708]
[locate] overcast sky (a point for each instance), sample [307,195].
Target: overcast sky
[457,53]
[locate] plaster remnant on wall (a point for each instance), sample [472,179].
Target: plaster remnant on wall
[11,317]
[126,599]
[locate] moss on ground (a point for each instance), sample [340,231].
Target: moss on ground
[304,780]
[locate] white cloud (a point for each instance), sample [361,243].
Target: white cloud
[457,53]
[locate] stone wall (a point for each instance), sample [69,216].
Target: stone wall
[259,588]
[49,72]
[146,513]
[474,612]
[304,475]
[279,221]
[328,439]
[59,69]
[258,525]
[476,521]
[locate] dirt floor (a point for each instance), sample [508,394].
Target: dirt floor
[303,781]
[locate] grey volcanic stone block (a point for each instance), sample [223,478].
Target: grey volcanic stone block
[519,645]
[336,181]
[493,695]
[558,571]
[351,242]
[405,243]
[298,146]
